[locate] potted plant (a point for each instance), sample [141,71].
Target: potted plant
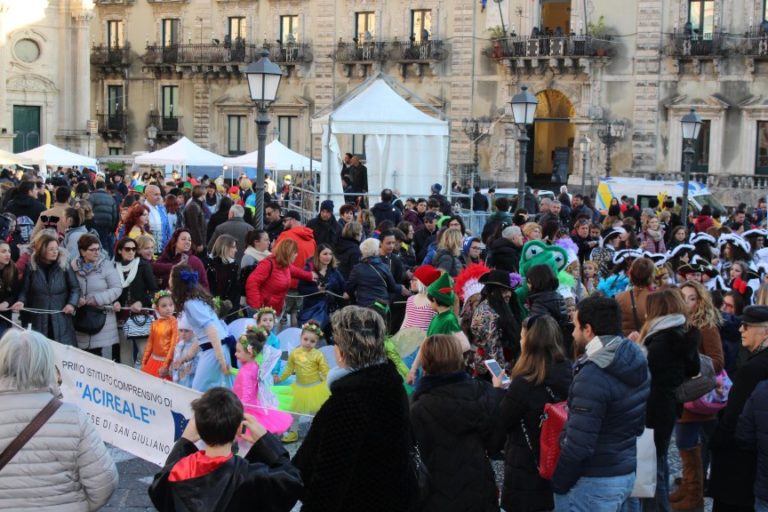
[600,37]
[497,45]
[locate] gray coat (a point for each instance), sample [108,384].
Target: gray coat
[235,227]
[104,285]
[50,290]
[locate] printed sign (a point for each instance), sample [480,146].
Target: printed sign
[130,409]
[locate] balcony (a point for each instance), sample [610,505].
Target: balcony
[113,126]
[574,51]
[110,58]
[168,126]
[359,55]
[417,55]
[695,46]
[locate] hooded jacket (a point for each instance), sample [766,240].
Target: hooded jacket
[269,283]
[386,211]
[325,231]
[453,417]
[348,255]
[305,240]
[25,206]
[606,404]
[504,255]
[264,480]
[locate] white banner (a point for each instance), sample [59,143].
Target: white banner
[130,409]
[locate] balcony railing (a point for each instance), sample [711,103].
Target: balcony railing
[165,124]
[113,56]
[683,45]
[236,53]
[544,47]
[755,45]
[290,53]
[412,51]
[351,53]
[115,122]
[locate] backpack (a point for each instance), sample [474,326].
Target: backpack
[552,422]
[24,227]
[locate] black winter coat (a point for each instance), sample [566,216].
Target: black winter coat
[453,417]
[733,468]
[264,480]
[503,255]
[607,403]
[524,490]
[552,304]
[325,231]
[51,287]
[25,206]
[347,253]
[386,211]
[224,281]
[355,456]
[752,433]
[673,355]
[9,293]
[370,281]
[105,214]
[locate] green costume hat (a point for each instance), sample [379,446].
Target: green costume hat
[442,290]
[442,220]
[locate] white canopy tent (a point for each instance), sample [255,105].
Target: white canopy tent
[48,154]
[182,152]
[278,157]
[405,148]
[7,158]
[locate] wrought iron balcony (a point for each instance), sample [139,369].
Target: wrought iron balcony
[288,54]
[110,56]
[226,56]
[417,52]
[695,46]
[360,52]
[755,45]
[113,126]
[167,125]
[544,47]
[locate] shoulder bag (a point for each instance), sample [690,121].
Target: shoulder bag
[30,430]
[699,385]
[638,325]
[90,319]
[552,422]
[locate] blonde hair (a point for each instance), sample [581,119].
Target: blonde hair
[369,248]
[530,227]
[452,241]
[359,335]
[706,314]
[761,297]
[222,243]
[144,241]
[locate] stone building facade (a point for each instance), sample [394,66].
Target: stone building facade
[177,65]
[45,75]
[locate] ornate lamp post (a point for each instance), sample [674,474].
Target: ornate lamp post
[523,110]
[263,81]
[584,149]
[610,132]
[151,136]
[475,130]
[691,124]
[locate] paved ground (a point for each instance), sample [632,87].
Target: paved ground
[136,475]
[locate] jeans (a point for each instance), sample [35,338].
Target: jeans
[692,434]
[761,505]
[596,494]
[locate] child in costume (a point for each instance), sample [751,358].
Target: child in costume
[265,318]
[251,384]
[310,390]
[185,355]
[163,334]
[590,278]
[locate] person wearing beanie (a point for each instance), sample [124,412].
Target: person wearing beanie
[445,205]
[325,227]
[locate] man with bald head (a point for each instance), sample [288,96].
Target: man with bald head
[158,217]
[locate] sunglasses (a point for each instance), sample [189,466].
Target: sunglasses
[129,249]
[50,219]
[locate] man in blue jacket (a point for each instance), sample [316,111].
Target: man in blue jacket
[606,403]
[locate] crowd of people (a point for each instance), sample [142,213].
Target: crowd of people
[618,314]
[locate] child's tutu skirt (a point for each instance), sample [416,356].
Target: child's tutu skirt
[308,398]
[276,422]
[153,368]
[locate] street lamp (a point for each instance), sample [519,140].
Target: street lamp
[691,124]
[151,136]
[263,81]
[610,132]
[523,110]
[475,130]
[584,149]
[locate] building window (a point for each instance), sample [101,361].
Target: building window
[288,131]
[170,103]
[765,9]
[237,27]
[289,25]
[701,14]
[358,146]
[761,163]
[421,24]
[171,31]
[115,34]
[115,101]
[236,135]
[701,148]
[115,151]
[365,22]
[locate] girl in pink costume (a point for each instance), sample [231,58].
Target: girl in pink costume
[255,378]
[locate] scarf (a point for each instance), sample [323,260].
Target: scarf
[655,235]
[128,272]
[84,267]
[256,254]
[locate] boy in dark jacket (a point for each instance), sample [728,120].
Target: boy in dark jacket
[216,479]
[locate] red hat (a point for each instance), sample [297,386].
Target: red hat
[427,274]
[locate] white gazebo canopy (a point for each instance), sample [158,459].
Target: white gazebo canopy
[7,158]
[48,154]
[278,157]
[405,148]
[182,152]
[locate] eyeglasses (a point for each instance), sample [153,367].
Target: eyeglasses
[728,305]
[129,249]
[93,249]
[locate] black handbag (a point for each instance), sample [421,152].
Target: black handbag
[90,319]
[419,477]
[699,385]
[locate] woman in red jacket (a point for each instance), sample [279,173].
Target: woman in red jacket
[270,281]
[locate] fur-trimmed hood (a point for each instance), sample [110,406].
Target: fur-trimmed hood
[62,260]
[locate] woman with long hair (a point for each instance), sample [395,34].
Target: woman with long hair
[632,301]
[9,285]
[137,221]
[317,304]
[270,281]
[544,299]
[495,327]
[693,431]
[740,275]
[541,375]
[448,255]
[145,248]
[224,273]
[652,236]
[178,250]
[672,344]
[75,229]
[172,210]
[678,236]
[195,306]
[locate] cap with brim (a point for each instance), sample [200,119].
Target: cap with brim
[442,220]
[703,237]
[626,254]
[755,232]
[442,290]
[755,315]
[733,239]
[678,249]
[431,216]
[658,259]
[496,278]
[610,233]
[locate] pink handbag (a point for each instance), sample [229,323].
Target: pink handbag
[713,401]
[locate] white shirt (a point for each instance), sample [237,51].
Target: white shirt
[155,225]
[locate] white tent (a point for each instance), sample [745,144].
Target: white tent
[7,158]
[277,157]
[181,152]
[48,154]
[405,148]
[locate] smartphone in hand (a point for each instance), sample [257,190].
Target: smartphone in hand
[494,367]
